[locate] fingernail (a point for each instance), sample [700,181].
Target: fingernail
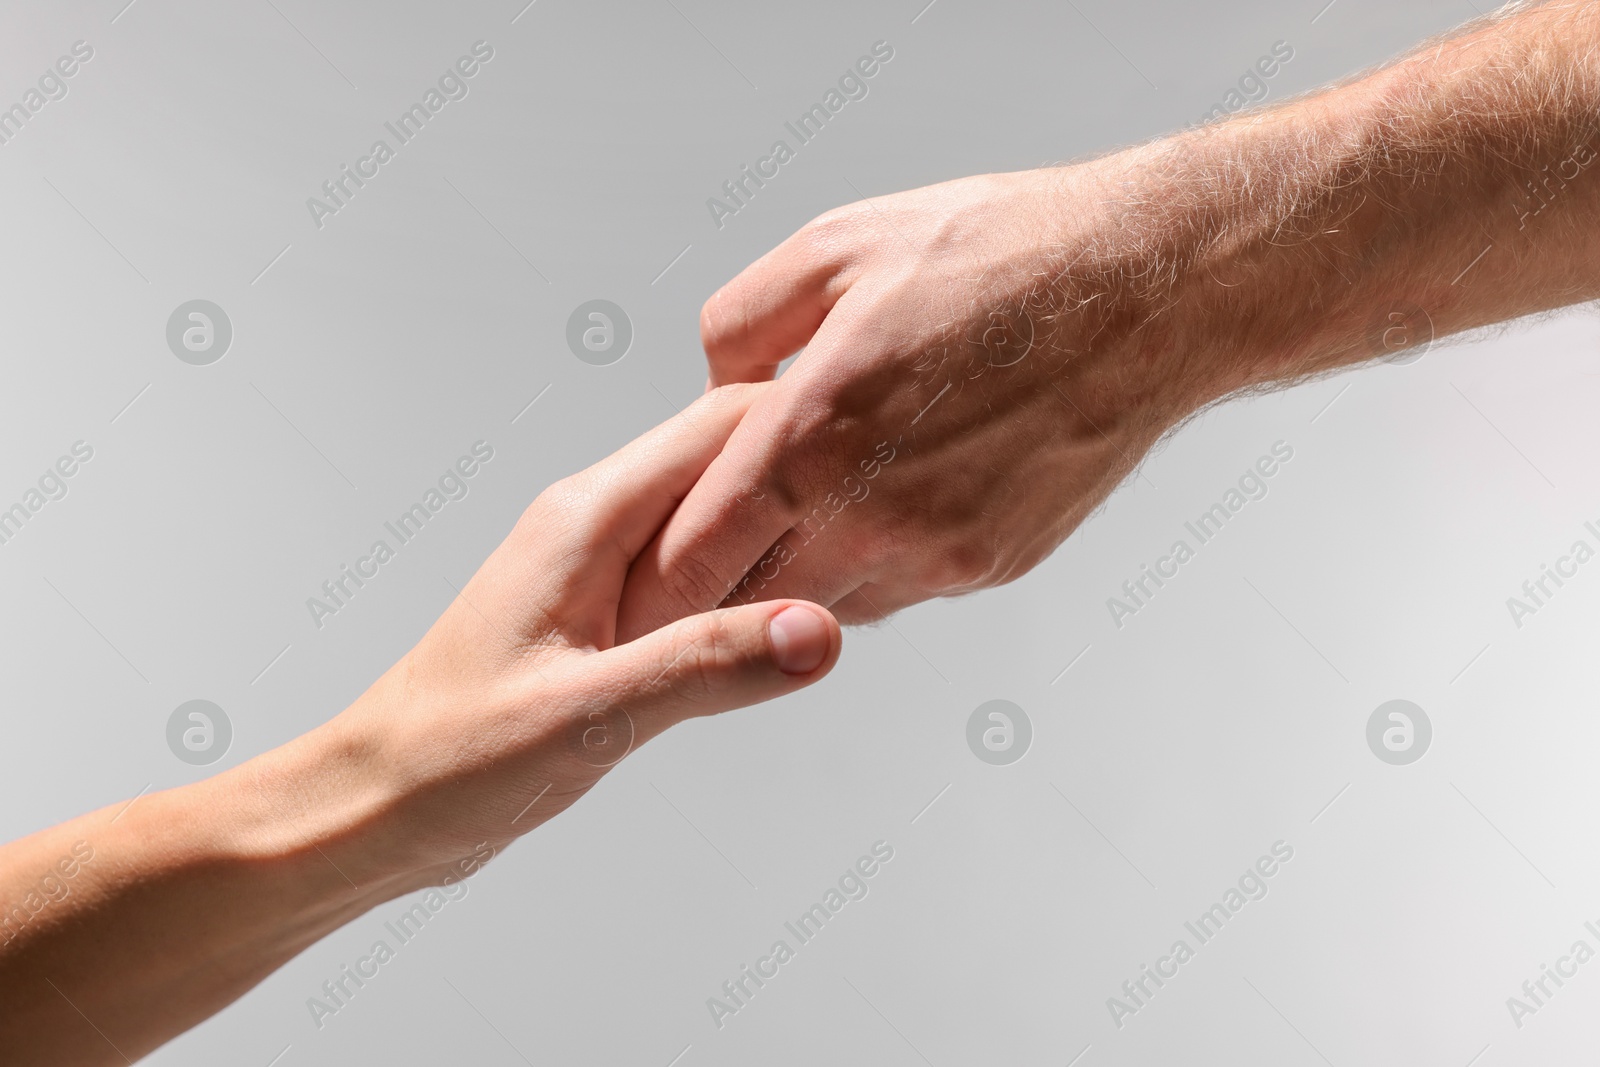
[799,640]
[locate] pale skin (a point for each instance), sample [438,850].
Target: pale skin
[509,709]
[1019,340]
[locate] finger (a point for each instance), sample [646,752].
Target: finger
[823,568]
[569,554]
[833,574]
[773,471]
[771,309]
[724,525]
[873,603]
[715,662]
[624,499]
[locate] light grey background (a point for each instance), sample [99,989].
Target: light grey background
[369,354]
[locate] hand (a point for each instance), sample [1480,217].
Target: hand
[509,709]
[987,359]
[520,695]
[973,385]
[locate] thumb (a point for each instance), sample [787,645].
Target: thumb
[718,661]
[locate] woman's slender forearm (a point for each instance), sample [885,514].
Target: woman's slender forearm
[127,926]
[132,923]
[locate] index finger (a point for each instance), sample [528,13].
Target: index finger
[771,309]
[724,526]
[569,554]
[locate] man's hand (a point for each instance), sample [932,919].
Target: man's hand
[987,359]
[974,384]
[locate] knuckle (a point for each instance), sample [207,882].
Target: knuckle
[819,448]
[693,584]
[724,323]
[964,565]
[564,505]
[733,395]
[817,418]
[704,652]
[797,485]
[558,500]
[827,232]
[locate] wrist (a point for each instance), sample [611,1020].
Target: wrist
[250,867]
[1380,215]
[1248,253]
[309,818]
[1119,258]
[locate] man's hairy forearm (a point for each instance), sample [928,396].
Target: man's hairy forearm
[1458,182]
[1025,338]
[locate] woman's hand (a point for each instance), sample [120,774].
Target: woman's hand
[517,695]
[509,709]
